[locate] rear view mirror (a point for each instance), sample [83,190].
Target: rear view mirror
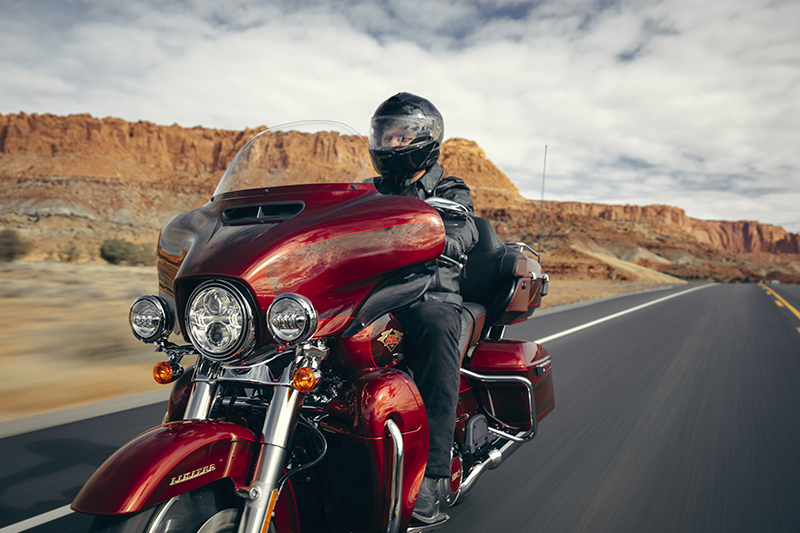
[448,209]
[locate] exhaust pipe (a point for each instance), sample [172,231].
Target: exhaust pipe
[496,457]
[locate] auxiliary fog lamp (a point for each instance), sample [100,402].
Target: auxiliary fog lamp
[292,319]
[150,318]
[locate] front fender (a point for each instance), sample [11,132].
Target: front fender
[166,461]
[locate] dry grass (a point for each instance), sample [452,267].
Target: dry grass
[66,340]
[65,335]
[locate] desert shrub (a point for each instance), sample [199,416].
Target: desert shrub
[11,246]
[117,251]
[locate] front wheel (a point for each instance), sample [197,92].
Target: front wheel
[209,509]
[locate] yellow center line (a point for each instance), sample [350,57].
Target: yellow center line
[784,302]
[778,303]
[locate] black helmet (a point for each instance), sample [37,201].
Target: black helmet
[405,136]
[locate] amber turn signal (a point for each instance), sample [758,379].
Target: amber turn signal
[304,379]
[165,372]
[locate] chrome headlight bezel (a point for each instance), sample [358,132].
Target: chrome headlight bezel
[244,339]
[163,314]
[284,327]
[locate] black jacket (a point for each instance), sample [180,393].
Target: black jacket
[458,240]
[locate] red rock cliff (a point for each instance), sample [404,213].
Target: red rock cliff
[730,237]
[137,173]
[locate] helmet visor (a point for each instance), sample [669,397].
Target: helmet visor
[394,132]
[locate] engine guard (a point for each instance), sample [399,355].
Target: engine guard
[173,459]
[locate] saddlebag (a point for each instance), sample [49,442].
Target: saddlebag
[508,402]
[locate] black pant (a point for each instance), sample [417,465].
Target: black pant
[431,333]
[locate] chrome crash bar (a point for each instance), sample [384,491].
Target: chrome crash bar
[528,435]
[498,455]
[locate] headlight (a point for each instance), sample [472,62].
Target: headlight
[292,319]
[219,321]
[150,318]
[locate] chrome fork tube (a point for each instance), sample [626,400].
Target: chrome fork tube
[203,391]
[280,421]
[200,400]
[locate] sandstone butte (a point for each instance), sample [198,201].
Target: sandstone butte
[68,183]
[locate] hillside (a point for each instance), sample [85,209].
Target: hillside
[69,183]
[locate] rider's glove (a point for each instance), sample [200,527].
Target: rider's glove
[452,249]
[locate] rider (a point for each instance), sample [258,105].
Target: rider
[405,140]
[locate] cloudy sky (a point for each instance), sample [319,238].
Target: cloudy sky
[679,102]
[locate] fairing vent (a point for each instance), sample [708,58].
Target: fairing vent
[261,213]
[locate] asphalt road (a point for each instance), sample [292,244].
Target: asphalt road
[679,416]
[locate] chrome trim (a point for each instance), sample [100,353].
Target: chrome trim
[257,375]
[244,345]
[311,318]
[510,379]
[219,522]
[522,246]
[156,520]
[200,401]
[496,457]
[450,262]
[496,332]
[543,362]
[512,442]
[396,489]
[448,498]
[166,318]
[448,208]
[282,416]
[428,527]
[310,355]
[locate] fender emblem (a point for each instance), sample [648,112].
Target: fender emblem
[390,338]
[193,474]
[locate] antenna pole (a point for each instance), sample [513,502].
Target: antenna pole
[541,212]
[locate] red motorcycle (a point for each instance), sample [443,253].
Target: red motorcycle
[297,415]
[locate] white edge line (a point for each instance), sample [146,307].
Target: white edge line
[615,315]
[36,521]
[67,415]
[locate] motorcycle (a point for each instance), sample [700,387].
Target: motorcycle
[296,414]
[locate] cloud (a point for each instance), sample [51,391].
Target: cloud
[693,105]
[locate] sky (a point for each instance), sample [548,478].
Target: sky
[677,102]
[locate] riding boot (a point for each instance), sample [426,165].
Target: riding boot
[426,509]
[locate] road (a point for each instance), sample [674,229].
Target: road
[683,415]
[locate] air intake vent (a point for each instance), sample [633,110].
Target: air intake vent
[257,214]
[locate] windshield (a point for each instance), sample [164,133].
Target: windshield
[297,153]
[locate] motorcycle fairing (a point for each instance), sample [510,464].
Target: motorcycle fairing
[379,344]
[346,241]
[359,418]
[395,295]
